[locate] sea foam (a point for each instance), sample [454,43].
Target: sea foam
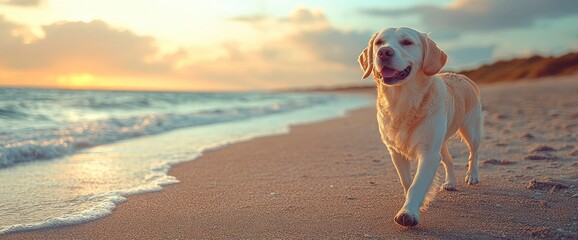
[66,137]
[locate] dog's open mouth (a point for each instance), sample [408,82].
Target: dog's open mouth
[392,76]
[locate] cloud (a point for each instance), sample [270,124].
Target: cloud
[305,16]
[482,16]
[333,45]
[276,65]
[6,28]
[306,51]
[257,21]
[82,47]
[298,16]
[12,37]
[87,55]
[250,18]
[310,31]
[22,3]
[298,20]
[310,52]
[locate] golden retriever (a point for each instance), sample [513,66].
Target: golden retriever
[419,109]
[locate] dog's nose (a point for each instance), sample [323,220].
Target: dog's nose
[385,53]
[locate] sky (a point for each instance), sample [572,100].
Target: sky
[231,45]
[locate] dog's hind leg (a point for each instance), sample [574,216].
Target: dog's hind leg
[448,162]
[472,134]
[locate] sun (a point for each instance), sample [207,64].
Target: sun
[77,80]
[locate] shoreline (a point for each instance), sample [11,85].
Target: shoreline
[152,157]
[334,179]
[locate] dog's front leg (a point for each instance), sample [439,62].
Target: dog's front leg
[403,167]
[429,158]
[426,171]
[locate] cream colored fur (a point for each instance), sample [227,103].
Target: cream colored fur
[418,113]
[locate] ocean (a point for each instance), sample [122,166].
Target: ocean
[68,157]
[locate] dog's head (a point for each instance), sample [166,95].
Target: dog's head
[395,55]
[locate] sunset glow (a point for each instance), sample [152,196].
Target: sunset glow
[251,45]
[82,80]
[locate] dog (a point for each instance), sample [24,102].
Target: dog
[418,110]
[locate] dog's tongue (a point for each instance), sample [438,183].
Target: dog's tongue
[387,72]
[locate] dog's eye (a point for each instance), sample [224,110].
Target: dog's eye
[406,42]
[378,42]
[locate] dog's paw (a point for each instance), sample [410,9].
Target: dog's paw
[406,218]
[448,186]
[472,179]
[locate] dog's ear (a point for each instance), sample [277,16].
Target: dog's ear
[434,58]
[365,59]
[364,63]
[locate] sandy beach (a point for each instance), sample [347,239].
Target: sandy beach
[334,180]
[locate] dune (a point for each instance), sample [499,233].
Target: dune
[534,67]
